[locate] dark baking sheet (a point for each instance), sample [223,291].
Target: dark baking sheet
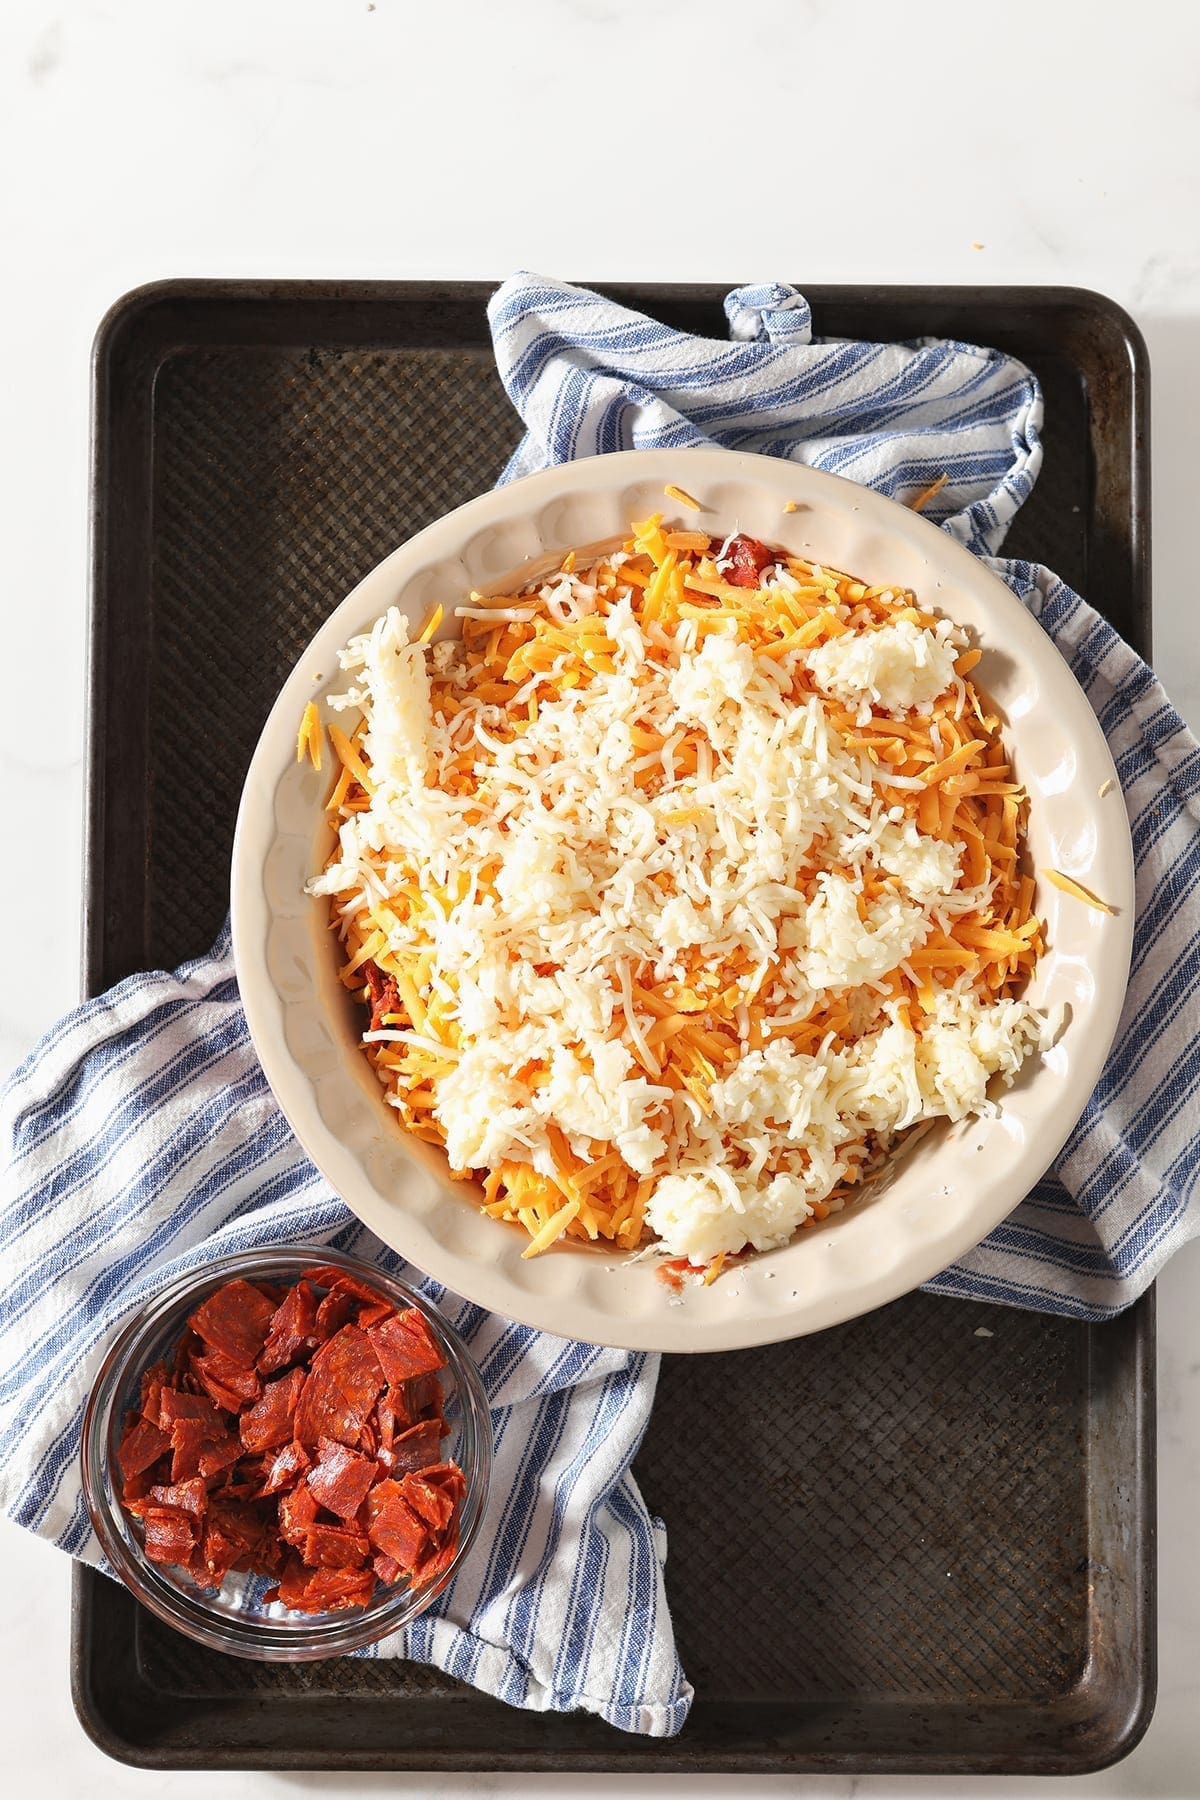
[922,1541]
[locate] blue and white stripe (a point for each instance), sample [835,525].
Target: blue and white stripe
[589,377]
[140,1138]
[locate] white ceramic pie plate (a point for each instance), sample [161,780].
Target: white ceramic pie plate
[949,1190]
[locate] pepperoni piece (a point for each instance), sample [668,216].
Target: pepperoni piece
[243,1523]
[234,1320]
[436,1561]
[434,1493]
[201,1441]
[431,1500]
[406,1347]
[291,1329]
[386,1567]
[141,1446]
[374,1315]
[235,1537]
[170,1535]
[417,1447]
[244,1481]
[153,1382]
[340,1480]
[328,1275]
[186,1496]
[228,1384]
[333,1312]
[393,1526]
[297,1513]
[334,1590]
[385,996]
[270,1423]
[425,1398]
[292,1590]
[174,1407]
[335,1547]
[385,1421]
[285,1470]
[213,1558]
[340,1389]
[197,1451]
[747,558]
[321,1590]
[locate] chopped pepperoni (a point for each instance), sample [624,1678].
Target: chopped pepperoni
[386,1567]
[417,1447]
[375,1315]
[153,1382]
[197,1451]
[406,1347]
[747,558]
[333,1312]
[213,1557]
[170,1534]
[234,1320]
[385,1421]
[295,1433]
[244,1481]
[424,1397]
[385,997]
[435,1562]
[333,1590]
[297,1512]
[341,1388]
[200,1437]
[173,1407]
[286,1468]
[342,1281]
[188,1496]
[393,1526]
[431,1500]
[291,1330]
[400,1406]
[335,1547]
[141,1446]
[228,1384]
[269,1423]
[340,1480]
[321,1590]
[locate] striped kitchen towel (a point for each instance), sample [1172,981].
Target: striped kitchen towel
[588,376]
[140,1139]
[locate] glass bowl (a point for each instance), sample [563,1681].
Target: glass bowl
[235,1618]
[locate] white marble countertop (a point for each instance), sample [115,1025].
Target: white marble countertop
[1041,142]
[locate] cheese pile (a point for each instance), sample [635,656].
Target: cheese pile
[680,891]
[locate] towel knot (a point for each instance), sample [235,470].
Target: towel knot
[769,312]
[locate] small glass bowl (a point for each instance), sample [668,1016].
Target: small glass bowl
[234,1618]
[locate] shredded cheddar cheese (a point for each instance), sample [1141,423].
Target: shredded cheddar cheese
[921,500]
[1076,889]
[431,624]
[677,898]
[682,498]
[308,738]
